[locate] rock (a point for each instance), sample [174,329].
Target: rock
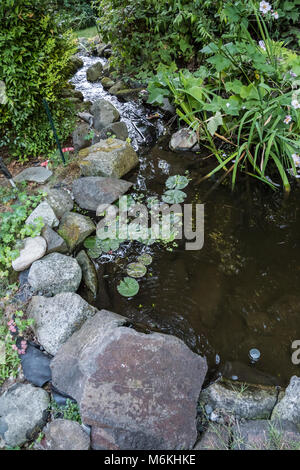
[137,391]
[3,96]
[36,365]
[57,318]
[74,64]
[184,140]
[91,191]
[45,211]
[288,407]
[249,402]
[75,228]
[107,53]
[107,82]
[60,201]
[265,435]
[108,69]
[89,273]
[104,114]
[81,137]
[55,243]
[55,273]
[128,94]
[118,86]
[216,437]
[23,413]
[111,157]
[87,117]
[36,174]
[33,249]
[117,129]
[94,72]
[101,48]
[63,434]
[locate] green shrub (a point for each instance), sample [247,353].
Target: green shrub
[76,14]
[34,53]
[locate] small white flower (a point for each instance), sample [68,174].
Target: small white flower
[292,74]
[295,103]
[275,15]
[264,7]
[287,119]
[296,159]
[227,105]
[262,45]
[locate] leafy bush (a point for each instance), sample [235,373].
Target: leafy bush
[34,52]
[76,14]
[247,94]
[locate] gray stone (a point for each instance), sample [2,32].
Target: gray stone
[118,86]
[87,117]
[128,94]
[94,72]
[288,407]
[74,64]
[45,211]
[265,435]
[91,191]
[81,137]
[55,243]
[33,249]
[36,174]
[184,140]
[57,318]
[107,82]
[104,114]
[55,273]
[89,273]
[75,228]
[116,129]
[60,201]
[216,437]
[101,48]
[23,413]
[249,402]
[3,96]
[137,391]
[111,157]
[63,434]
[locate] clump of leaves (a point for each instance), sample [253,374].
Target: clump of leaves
[177,182]
[128,287]
[174,196]
[96,246]
[69,411]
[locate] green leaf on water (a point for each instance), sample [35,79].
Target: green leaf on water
[145,259]
[177,182]
[136,270]
[128,287]
[174,196]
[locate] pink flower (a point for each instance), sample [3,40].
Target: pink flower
[68,149]
[287,119]
[14,347]
[45,163]
[12,329]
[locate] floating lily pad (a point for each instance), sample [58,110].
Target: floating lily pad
[128,287]
[177,182]
[174,196]
[145,259]
[136,270]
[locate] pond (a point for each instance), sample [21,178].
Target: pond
[240,291]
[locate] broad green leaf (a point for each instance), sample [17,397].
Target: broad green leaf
[128,287]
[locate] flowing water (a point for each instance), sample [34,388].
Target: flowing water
[241,291]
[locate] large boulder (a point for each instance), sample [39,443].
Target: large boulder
[33,249]
[135,390]
[104,114]
[91,191]
[111,157]
[63,434]
[23,413]
[94,72]
[75,228]
[46,213]
[60,201]
[55,273]
[288,408]
[248,402]
[56,318]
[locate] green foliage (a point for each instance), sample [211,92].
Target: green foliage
[34,53]
[145,259]
[69,411]
[76,14]
[177,182]
[13,230]
[9,357]
[128,287]
[136,270]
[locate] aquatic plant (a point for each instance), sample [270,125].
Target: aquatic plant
[128,287]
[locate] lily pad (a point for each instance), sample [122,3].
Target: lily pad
[128,287]
[145,259]
[136,270]
[177,182]
[174,196]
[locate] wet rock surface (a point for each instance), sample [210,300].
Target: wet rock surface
[57,318]
[55,273]
[137,391]
[75,228]
[23,413]
[94,72]
[111,157]
[63,434]
[90,192]
[33,249]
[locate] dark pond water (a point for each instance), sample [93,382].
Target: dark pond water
[241,291]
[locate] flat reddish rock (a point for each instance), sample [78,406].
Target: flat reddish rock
[136,391]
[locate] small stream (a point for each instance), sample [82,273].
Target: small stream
[241,291]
